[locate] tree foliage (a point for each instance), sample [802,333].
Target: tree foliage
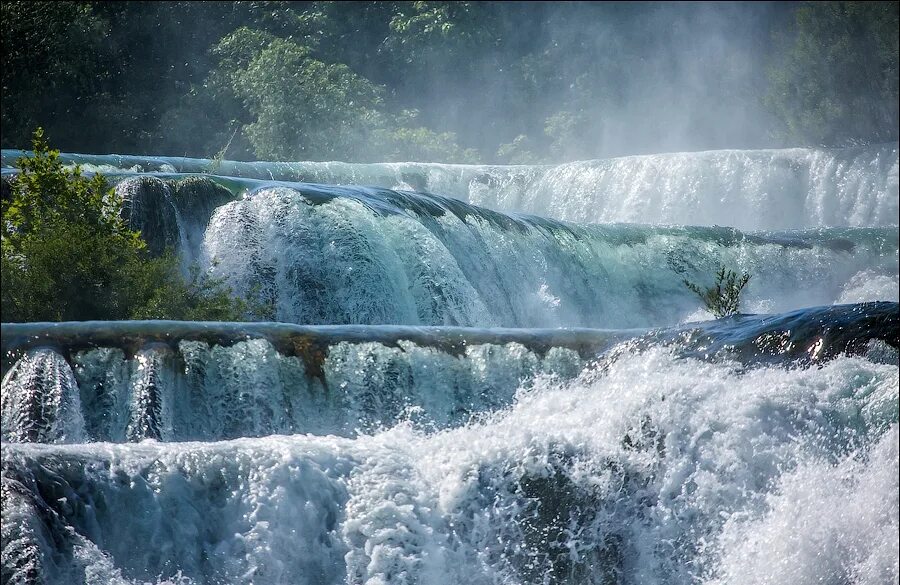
[68,255]
[303,108]
[836,82]
[55,60]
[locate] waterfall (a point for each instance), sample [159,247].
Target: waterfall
[746,189]
[477,374]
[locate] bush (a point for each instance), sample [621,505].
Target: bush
[722,299]
[68,255]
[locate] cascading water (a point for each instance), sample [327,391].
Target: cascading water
[355,443]
[327,256]
[746,189]
[41,401]
[657,470]
[190,381]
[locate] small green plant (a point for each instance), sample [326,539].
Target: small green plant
[724,298]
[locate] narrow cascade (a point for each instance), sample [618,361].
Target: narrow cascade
[170,214]
[151,402]
[148,208]
[32,535]
[41,402]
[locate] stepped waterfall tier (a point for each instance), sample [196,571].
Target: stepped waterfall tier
[324,254]
[476,374]
[176,381]
[747,189]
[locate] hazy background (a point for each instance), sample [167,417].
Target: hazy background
[447,81]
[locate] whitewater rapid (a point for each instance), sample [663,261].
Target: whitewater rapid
[653,469]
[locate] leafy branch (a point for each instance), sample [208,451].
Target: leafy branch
[722,299]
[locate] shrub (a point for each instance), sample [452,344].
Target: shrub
[68,255]
[722,299]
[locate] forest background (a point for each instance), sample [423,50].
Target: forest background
[488,82]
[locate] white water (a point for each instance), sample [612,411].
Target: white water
[747,189]
[763,189]
[40,400]
[340,261]
[249,390]
[654,470]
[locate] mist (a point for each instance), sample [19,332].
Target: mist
[641,77]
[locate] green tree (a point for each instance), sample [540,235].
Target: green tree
[302,108]
[518,152]
[835,82]
[426,32]
[333,79]
[398,139]
[68,255]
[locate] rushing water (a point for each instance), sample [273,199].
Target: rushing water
[747,189]
[392,429]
